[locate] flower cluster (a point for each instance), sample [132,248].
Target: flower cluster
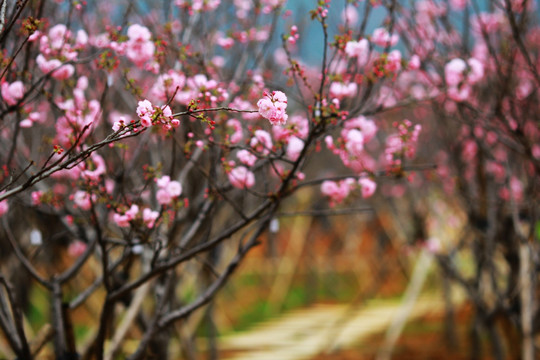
[460,75]
[153,115]
[13,92]
[350,146]
[168,190]
[148,217]
[241,177]
[57,47]
[139,47]
[403,144]
[272,107]
[338,191]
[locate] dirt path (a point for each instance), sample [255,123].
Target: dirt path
[305,333]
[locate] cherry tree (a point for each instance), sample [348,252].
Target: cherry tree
[143,142]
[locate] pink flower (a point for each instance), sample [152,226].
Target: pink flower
[166,118]
[296,126]
[272,107]
[337,192]
[246,157]
[354,142]
[225,42]
[81,39]
[123,220]
[516,188]
[120,124]
[31,119]
[270,5]
[243,7]
[13,92]
[163,197]
[453,71]
[459,94]
[366,126]
[367,186]
[64,72]
[132,212]
[149,217]
[83,200]
[294,148]
[99,169]
[36,197]
[458,4]
[146,111]
[139,47]
[4,207]
[341,90]
[166,85]
[414,62]
[240,177]
[76,248]
[201,83]
[58,35]
[394,61]
[59,71]
[168,190]
[382,38]
[350,15]
[476,71]
[359,49]
[237,134]
[261,142]
[198,5]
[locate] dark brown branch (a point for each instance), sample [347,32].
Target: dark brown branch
[22,258]
[5,323]
[189,253]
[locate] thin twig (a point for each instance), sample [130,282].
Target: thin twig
[224,108]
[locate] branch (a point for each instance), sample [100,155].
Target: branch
[195,111]
[72,161]
[188,254]
[74,269]
[22,258]
[519,41]
[13,21]
[127,320]
[209,293]
[5,323]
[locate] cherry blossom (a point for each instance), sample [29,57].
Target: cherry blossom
[4,207]
[83,199]
[294,148]
[146,111]
[168,190]
[272,107]
[261,142]
[367,186]
[341,90]
[149,217]
[241,178]
[123,220]
[382,37]
[337,191]
[13,92]
[139,47]
[77,248]
[246,157]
